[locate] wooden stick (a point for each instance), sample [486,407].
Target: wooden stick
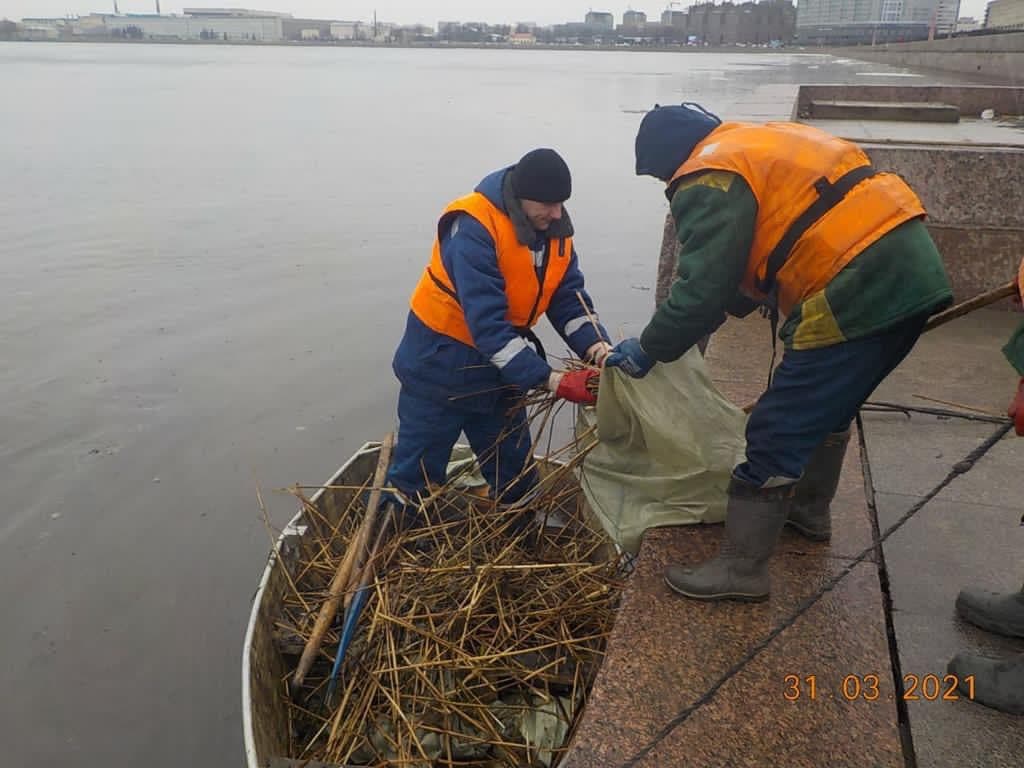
[330,606]
[961,309]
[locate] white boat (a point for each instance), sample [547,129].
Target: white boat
[265,669]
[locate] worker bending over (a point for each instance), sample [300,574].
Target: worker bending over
[791,218]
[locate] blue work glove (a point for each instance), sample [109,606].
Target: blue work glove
[629,357]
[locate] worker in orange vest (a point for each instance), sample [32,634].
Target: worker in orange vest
[792,219]
[997,683]
[503,256]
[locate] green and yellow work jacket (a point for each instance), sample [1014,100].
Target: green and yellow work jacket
[897,277]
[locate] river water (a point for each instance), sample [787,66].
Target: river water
[205,258]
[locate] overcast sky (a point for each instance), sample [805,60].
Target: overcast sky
[402,11]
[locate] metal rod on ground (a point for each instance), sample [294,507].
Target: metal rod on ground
[989,297]
[337,589]
[885,407]
[961,406]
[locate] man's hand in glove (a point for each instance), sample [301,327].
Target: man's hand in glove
[572,386]
[630,357]
[598,353]
[1016,409]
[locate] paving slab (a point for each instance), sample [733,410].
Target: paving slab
[995,479]
[913,455]
[957,732]
[964,534]
[667,655]
[752,721]
[946,546]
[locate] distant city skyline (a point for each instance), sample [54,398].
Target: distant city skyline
[401,11]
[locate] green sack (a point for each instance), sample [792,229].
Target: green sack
[668,444]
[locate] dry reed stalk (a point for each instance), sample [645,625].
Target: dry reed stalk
[589,314]
[273,544]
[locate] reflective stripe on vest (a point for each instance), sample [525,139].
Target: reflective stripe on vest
[529,289]
[819,203]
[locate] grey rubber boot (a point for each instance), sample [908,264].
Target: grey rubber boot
[1002,613]
[810,514]
[997,683]
[754,518]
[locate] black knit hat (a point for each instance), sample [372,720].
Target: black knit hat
[542,175]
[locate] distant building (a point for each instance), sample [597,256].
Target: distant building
[39,32]
[670,18]
[381,31]
[309,34]
[854,22]
[946,14]
[298,29]
[411,33]
[231,28]
[634,19]
[601,20]
[764,23]
[941,14]
[350,30]
[1005,14]
[522,38]
[967,24]
[233,13]
[93,25]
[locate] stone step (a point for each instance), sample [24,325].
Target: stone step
[908,111]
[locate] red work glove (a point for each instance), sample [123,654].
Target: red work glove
[573,387]
[1016,409]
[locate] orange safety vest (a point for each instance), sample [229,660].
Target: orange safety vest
[435,300]
[819,203]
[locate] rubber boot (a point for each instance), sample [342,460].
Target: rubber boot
[754,518]
[997,683]
[1002,613]
[810,515]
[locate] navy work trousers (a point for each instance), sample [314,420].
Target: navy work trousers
[428,430]
[815,392]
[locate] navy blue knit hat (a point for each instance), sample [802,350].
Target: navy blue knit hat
[542,175]
[668,135]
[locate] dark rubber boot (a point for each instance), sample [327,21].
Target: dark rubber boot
[810,515]
[997,684]
[753,521]
[1002,613]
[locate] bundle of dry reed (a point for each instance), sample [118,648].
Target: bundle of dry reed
[484,626]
